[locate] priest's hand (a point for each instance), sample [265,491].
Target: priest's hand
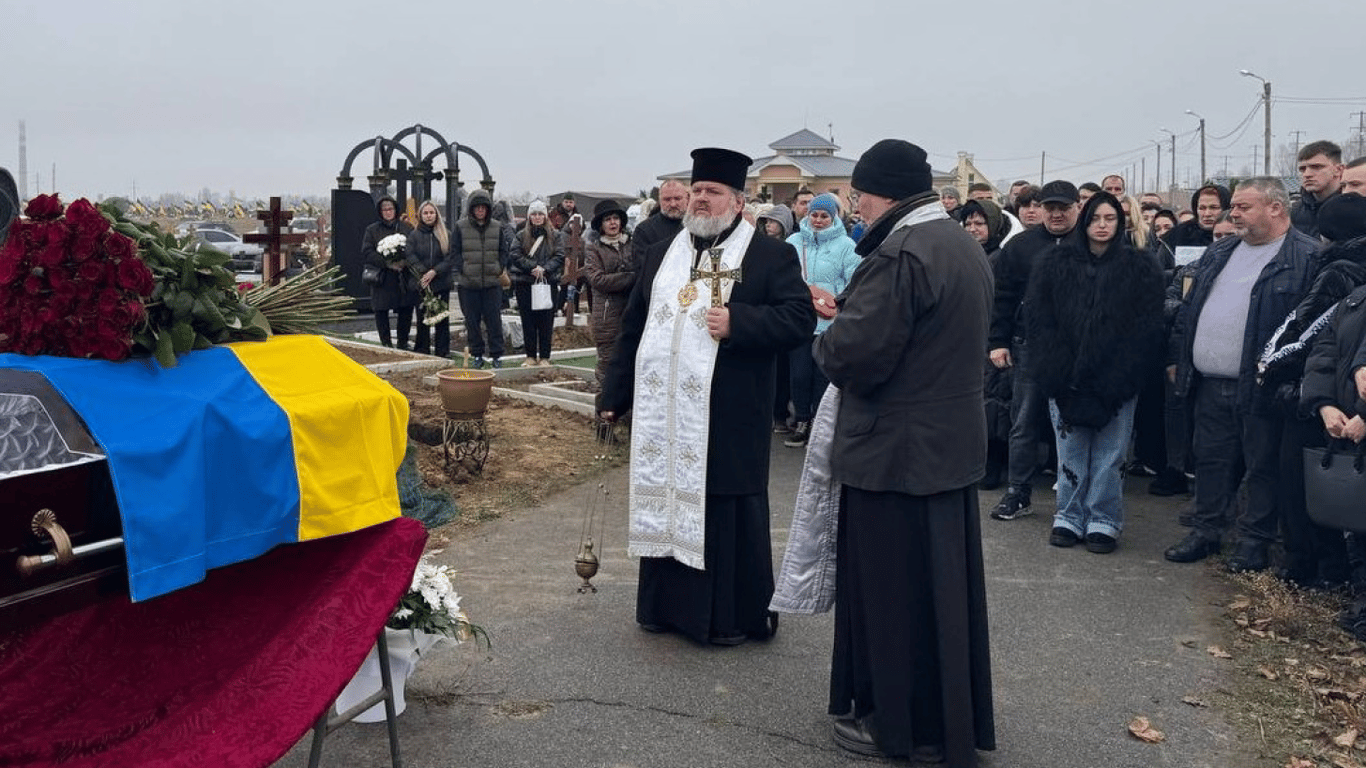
[608,416]
[718,322]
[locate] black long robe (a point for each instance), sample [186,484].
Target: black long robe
[770,314]
[911,653]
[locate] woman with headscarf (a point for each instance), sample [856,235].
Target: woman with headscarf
[828,261]
[429,246]
[396,289]
[610,273]
[1094,315]
[537,256]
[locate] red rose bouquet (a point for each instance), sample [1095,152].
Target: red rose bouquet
[69,284]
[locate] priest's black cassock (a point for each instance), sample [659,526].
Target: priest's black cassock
[770,314]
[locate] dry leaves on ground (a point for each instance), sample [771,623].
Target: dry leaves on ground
[1144,731]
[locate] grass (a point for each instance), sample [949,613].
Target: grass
[590,361]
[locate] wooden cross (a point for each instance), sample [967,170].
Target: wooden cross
[716,275]
[276,220]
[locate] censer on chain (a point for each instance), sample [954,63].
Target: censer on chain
[586,563]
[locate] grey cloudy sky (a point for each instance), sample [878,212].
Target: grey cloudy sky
[268,97]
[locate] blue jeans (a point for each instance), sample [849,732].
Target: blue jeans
[1090,484]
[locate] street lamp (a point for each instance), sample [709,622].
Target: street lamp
[1173,135]
[1203,178]
[1266,102]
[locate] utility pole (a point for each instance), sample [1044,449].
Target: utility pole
[1173,184]
[1202,144]
[23,164]
[1157,169]
[1361,132]
[1266,102]
[1043,165]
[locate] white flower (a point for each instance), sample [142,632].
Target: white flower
[392,245]
[403,613]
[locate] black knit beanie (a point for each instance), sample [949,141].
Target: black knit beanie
[893,168]
[1343,217]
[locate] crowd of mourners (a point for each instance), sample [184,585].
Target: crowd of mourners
[1203,343]
[1205,347]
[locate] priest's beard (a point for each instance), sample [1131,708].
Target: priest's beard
[701,225]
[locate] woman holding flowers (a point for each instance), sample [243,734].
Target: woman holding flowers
[537,256]
[396,289]
[429,248]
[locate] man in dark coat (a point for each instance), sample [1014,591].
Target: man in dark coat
[1009,348]
[664,223]
[1243,288]
[695,366]
[1320,166]
[911,674]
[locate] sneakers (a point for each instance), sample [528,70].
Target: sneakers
[780,427]
[497,363]
[544,363]
[1137,468]
[530,362]
[1013,505]
[799,435]
[479,363]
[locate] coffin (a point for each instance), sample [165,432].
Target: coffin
[158,475]
[55,486]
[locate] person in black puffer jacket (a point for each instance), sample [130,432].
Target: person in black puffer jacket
[1094,321]
[429,246]
[1314,556]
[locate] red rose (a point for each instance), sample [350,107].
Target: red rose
[91,271]
[14,247]
[43,208]
[136,277]
[119,246]
[84,289]
[82,248]
[136,312]
[33,285]
[86,219]
[108,301]
[9,270]
[51,256]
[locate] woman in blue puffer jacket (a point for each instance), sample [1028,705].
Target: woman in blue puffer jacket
[828,261]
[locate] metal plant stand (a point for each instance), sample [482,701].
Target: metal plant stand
[463,439]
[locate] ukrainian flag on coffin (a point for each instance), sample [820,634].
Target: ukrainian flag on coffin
[237,449]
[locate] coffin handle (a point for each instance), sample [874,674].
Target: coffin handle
[45,525]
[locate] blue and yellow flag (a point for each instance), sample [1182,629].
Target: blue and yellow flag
[237,449]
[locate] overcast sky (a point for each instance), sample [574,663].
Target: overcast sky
[266,98]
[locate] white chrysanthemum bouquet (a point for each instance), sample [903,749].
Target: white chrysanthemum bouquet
[431,605]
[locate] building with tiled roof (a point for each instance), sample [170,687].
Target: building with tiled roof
[804,159]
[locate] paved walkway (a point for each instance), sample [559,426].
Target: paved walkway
[1081,644]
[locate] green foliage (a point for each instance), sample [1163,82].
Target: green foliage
[195,304]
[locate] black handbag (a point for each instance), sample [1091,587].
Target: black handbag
[371,275]
[1335,486]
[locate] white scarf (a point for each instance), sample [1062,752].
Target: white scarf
[671,418]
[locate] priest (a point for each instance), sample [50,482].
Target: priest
[711,311]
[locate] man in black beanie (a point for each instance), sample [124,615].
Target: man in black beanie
[712,309]
[911,673]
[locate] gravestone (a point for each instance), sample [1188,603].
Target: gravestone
[410,171]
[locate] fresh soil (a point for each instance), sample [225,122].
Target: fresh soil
[534,451]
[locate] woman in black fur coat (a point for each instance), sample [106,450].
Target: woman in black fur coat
[1093,311]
